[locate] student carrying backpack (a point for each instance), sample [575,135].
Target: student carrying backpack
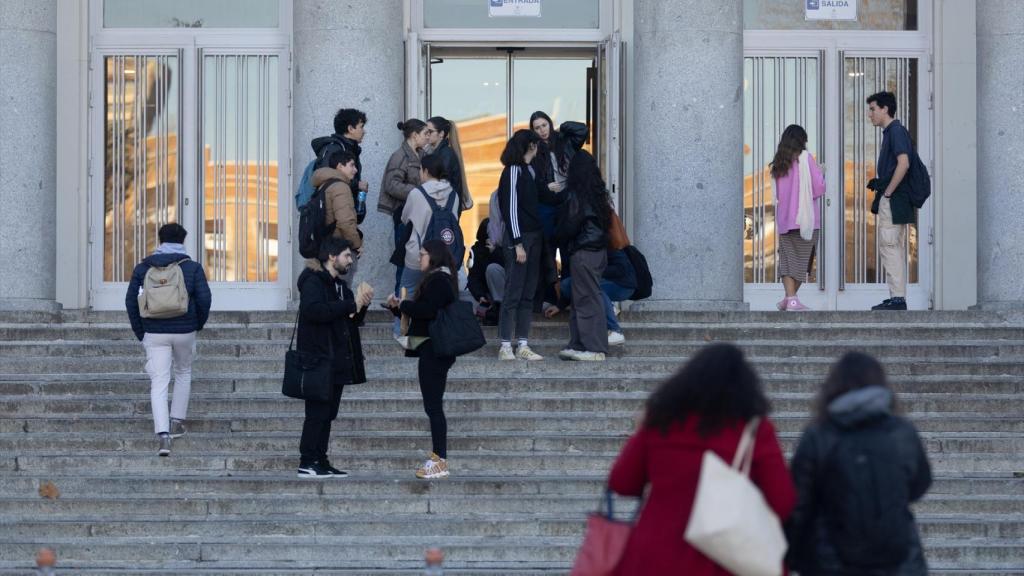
[431,210]
[857,470]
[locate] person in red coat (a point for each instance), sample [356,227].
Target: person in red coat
[704,406]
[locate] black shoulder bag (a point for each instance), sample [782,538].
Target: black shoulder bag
[307,376]
[455,330]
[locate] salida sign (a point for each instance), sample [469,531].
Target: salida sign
[831,9]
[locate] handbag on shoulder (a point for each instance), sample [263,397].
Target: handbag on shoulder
[455,330]
[604,542]
[731,523]
[307,376]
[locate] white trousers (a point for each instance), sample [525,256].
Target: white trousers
[892,247]
[164,352]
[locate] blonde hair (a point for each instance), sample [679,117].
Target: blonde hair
[451,133]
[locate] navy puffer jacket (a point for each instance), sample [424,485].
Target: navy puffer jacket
[199,298]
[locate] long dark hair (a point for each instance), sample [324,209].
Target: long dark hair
[584,179]
[791,144]
[517,147]
[855,370]
[440,256]
[717,386]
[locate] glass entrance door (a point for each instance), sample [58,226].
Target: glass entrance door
[491,93]
[824,91]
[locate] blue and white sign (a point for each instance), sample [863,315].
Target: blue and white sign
[830,9]
[513,8]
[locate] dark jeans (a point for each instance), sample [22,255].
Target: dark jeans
[433,372]
[587,325]
[396,218]
[316,428]
[520,287]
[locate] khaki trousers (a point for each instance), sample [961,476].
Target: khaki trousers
[892,247]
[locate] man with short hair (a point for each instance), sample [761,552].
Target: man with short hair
[349,130]
[170,342]
[892,198]
[328,326]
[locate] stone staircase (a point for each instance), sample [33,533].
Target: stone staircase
[529,445]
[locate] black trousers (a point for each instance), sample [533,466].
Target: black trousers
[433,373]
[316,428]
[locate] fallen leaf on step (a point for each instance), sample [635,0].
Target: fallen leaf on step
[49,490]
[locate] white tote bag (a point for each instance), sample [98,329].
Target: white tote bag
[731,523]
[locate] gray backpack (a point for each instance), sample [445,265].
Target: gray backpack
[163,293]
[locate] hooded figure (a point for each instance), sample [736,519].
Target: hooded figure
[418,212]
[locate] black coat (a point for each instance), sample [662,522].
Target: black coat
[580,227]
[199,298]
[482,258]
[811,549]
[435,293]
[328,316]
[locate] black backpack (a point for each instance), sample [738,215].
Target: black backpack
[918,181]
[444,225]
[866,498]
[312,215]
[644,280]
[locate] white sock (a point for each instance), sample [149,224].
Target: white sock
[522,342]
[506,344]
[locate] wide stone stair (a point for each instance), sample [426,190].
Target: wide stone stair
[529,445]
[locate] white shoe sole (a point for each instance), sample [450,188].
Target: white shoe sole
[434,476]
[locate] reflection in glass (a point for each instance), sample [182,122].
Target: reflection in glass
[577,14]
[777,92]
[191,14]
[140,180]
[473,93]
[240,113]
[873,15]
[861,142]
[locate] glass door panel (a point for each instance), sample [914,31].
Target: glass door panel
[239,167]
[473,93]
[863,76]
[141,152]
[777,91]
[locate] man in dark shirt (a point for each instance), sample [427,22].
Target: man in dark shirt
[892,201]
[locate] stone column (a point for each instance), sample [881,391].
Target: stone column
[1000,153]
[689,151]
[28,154]
[350,55]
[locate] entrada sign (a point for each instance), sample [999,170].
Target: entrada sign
[513,8]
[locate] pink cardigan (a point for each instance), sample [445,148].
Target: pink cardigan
[787,197]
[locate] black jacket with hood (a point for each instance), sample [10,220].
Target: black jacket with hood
[320,146]
[328,318]
[199,298]
[579,226]
[811,549]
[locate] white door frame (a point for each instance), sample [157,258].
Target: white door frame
[189,44]
[763,296]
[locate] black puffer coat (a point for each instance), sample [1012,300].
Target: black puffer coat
[326,306]
[580,227]
[812,551]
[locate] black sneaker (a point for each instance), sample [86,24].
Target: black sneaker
[326,465]
[892,304]
[177,428]
[315,471]
[165,444]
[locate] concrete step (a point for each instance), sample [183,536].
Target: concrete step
[634,349]
[131,384]
[550,421]
[460,438]
[511,464]
[457,402]
[557,330]
[485,367]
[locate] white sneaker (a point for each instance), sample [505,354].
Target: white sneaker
[616,338]
[568,354]
[590,356]
[523,352]
[505,353]
[434,467]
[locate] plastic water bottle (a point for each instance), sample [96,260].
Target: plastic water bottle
[434,559]
[361,204]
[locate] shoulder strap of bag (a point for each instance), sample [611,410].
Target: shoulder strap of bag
[430,201]
[294,328]
[745,452]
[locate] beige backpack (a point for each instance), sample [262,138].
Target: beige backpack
[163,293]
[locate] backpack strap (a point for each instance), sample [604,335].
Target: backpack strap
[322,188]
[430,201]
[451,200]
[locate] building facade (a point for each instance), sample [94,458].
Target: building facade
[117,116]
